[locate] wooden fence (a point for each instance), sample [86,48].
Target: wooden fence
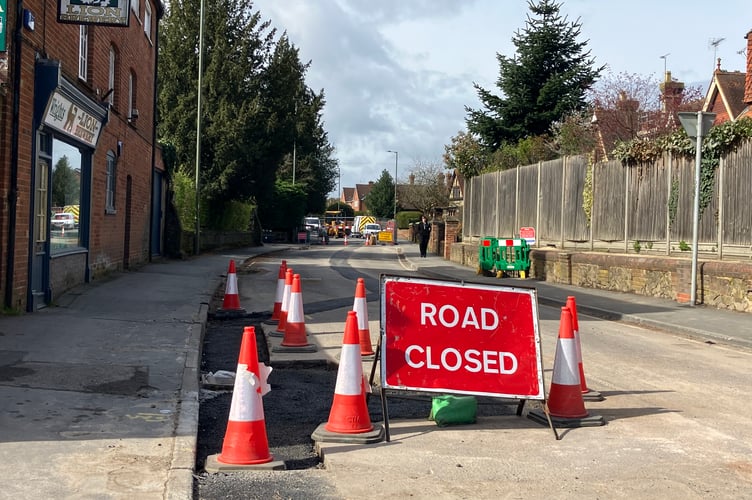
[648,207]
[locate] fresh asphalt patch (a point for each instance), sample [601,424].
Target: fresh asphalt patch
[300,400]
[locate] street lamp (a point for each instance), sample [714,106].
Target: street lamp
[696,125]
[197,218]
[396,159]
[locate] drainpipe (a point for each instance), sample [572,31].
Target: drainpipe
[154,130]
[13,191]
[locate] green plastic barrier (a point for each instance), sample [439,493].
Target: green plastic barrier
[486,254]
[512,254]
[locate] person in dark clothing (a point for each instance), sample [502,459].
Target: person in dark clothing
[424,233]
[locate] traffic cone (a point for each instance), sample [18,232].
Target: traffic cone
[361,308]
[349,420]
[245,443]
[280,331]
[280,290]
[345,239]
[231,301]
[295,333]
[565,404]
[587,394]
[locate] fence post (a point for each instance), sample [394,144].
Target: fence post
[626,209]
[668,197]
[721,168]
[538,207]
[561,217]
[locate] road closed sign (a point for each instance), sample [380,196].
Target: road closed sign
[445,336]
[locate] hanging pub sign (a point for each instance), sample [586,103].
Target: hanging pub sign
[70,119]
[103,12]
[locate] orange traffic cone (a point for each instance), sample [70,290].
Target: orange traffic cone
[349,420]
[361,308]
[280,331]
[295,332]
[565,403]
[231,302]
[245,442]
[280,290]
[587,394]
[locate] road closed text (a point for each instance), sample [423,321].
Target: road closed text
[471,360]
[467,338]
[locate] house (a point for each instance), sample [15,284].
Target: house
[730,93]
[725,96]
[77,130]
[356,197]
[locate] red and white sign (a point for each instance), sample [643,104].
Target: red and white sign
[464,338]
[528,234]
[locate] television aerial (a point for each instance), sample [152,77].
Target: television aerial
[715,42]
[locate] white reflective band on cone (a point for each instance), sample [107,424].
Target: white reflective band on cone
[350,373]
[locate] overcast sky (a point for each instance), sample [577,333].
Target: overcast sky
[397,74]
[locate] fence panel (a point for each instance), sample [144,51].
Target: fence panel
[737,197]
[528,196]
[507,203]
[608,201]
[648,203]
[550,206]
[575,219]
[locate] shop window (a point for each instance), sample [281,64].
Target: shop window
[66,197]
[111,183]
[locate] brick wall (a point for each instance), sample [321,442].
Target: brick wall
[723,284]
[135,54]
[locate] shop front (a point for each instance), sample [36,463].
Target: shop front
[67,127]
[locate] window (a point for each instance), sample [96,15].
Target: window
[66,197]
[147,19]
[83,51]
[111,183]
[132,110]
[135,7]
[111,77]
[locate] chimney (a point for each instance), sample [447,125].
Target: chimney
[412,179]
[671,94]
[748,79]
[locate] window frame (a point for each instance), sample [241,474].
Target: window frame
[110,183]
[83,52]
[147,19]
[111,77]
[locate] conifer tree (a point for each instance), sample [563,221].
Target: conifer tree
[545,80]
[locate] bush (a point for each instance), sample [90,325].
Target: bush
[405,218]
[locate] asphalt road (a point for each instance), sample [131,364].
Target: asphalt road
[677,423]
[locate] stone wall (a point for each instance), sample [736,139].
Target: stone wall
[721,284]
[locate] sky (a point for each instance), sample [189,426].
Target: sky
[398,74]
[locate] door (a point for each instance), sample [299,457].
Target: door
[39,278]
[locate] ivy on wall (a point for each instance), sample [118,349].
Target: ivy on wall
[587,190]
[721,140]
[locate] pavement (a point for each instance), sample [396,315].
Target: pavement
[99,393]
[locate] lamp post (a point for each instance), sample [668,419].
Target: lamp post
[196,243]
[396,160]
[696,125]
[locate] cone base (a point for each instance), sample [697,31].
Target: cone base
[561,422]
[213,465]
[276,334]
[322,435]
[592,395]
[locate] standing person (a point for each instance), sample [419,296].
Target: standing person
[424,232]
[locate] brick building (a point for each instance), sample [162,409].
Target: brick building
[77,135]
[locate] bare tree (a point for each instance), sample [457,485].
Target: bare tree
[427,188]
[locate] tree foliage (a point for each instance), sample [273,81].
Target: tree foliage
[66,187]
[465,155]
[256,108]
[380,199]
[544,81]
